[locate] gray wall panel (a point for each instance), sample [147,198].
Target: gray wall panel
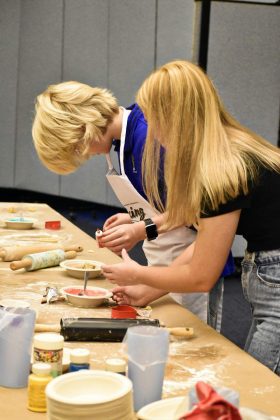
[39,65]
[174,30]
[85,60]
[131,46]
[131,51]
[9,35]
[244,62]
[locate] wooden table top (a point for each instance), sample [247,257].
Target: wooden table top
[208,356]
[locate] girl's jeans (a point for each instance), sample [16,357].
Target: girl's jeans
[261,287]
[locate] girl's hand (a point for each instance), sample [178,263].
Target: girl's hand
[139,295]
[116,220]
[123,273]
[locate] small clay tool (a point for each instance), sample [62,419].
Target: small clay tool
[12,253]
[103,329]
[40,260]
[86,276]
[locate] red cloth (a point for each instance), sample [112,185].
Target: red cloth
[211,406]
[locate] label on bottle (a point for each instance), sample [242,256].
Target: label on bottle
[53,357]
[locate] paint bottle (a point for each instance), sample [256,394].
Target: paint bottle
[79,359]
[116,365]
[98,235]
[48,348]
[37,382]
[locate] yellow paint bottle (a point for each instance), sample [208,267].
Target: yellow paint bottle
[37,382]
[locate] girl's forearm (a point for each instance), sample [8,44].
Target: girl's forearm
[177,279]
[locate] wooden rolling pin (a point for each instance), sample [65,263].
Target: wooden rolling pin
[40,260]
[12,253]
[96,329]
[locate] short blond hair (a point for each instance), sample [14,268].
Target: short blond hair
[210,157]
[68,117]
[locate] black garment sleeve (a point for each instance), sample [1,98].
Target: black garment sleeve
[240,202]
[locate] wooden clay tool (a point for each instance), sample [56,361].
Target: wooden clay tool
[40,260]
[12,253]
[103,329]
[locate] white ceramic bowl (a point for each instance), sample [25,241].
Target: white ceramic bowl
[91,394]
[76,268]
[174,408]
[95,296]
[20,223]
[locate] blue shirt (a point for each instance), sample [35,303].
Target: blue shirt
[136,132]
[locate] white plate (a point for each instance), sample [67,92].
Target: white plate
[88,387]
[76,268]
[169,409]
[86,301]
[20,223]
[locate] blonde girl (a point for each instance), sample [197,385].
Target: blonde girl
[222,178]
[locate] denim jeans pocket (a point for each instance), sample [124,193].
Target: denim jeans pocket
[247,267]
[269,274]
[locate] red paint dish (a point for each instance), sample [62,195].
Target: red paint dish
[88,292]
[94,296]
[123,311]
[53,224]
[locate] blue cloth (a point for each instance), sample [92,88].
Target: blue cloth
[135,139]
[229,267]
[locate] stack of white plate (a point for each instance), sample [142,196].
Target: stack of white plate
[90,394]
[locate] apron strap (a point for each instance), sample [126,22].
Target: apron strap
[126,113]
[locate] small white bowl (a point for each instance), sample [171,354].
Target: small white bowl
[168,408]
[174,408]
[19,223]
[95,297]
[76,268]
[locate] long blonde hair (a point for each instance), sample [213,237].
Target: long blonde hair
[68,117]
[210,157]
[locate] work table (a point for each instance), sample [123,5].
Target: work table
[208,356]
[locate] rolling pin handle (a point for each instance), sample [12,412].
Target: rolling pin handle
[25,263]
[187,332]
[76,248]
[47,328]
[70,254]
[2,254]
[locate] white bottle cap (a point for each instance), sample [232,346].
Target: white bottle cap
[41,369]
[48,341]
[79,356]
[116,365]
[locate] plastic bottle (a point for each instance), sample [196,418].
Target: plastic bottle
[37,382]
[48,348]
[79,359]
[116,365]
